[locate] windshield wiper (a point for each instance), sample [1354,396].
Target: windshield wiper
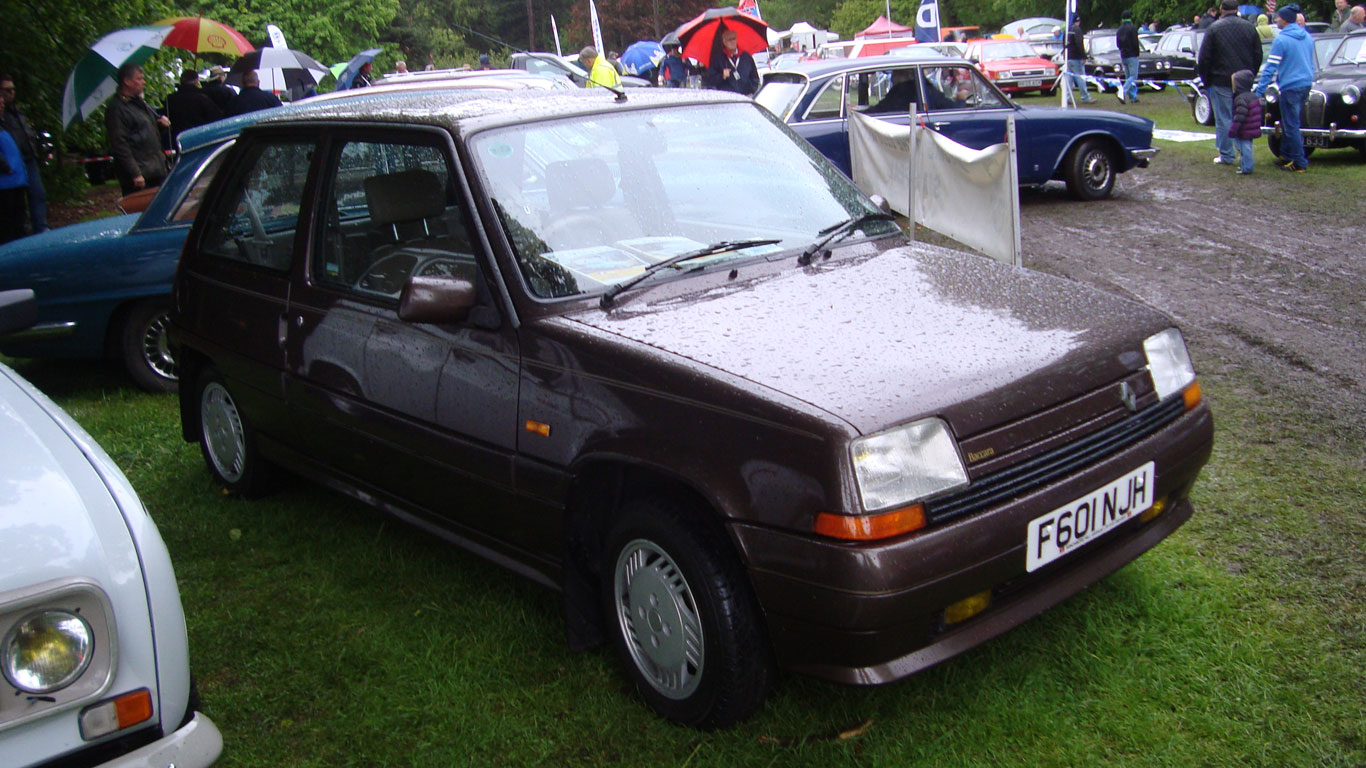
[840,230]
[610,296]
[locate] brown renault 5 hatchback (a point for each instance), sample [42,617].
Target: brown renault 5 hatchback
[657,353]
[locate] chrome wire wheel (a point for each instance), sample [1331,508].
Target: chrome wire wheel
[225,441]
[659,619]
[156,347]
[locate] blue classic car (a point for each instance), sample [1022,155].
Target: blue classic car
[1087,148]
[104,286]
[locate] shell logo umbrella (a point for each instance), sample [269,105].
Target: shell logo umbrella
[93,80]
[701,35]
[200,35]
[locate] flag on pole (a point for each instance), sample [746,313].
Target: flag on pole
[597,30]
[555,31]
[750,7]
[927,22]
[277,38]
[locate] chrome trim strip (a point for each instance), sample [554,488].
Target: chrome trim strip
[42,332]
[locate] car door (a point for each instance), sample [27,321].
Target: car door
[423,412]
[236,276]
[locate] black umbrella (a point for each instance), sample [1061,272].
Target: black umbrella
[281,69]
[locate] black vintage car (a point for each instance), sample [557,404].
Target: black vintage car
[1334,114]
[1103,60]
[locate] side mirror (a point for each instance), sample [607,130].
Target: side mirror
[436,300]
[18,310]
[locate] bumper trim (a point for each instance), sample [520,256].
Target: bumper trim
[195,745]
[42,332]
[1025,605]
[1332,133]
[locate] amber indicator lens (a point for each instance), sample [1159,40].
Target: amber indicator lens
[967,607]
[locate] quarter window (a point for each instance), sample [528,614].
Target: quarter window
[256,220]
[827,103]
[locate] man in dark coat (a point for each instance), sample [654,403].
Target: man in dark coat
[218,90]
[1126,39]
[1230,44]
[1076,59]
[12,120]
[134,132]
[251,97]
[190,107]
[731,69]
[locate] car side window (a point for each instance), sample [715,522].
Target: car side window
[956,88]
[189,206]
[391,212]
[891,91]
[256,220]
[828,102]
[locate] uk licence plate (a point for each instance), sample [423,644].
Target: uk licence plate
[1030,83]
[1315,141]
[1083,520]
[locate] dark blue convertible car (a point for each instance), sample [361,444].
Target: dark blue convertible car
[1086,148]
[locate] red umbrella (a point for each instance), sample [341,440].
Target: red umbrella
[702,35]
[200,35]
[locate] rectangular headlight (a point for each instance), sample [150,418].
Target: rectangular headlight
[1168,362]
[905,464]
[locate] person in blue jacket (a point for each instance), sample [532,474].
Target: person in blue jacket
[13,184]
[1291,65]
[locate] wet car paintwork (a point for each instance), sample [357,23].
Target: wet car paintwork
[741,389]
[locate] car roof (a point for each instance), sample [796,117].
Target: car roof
[834,66]
[466,111]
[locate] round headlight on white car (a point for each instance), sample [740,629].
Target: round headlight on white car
[1351,95]
[906,464]
[47,651]
[1168,362]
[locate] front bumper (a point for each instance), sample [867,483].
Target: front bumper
[1331,134]
[1144,156]
[195,745]
[874,613]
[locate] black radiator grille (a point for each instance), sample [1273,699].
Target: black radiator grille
[1313,110]
[1021,478]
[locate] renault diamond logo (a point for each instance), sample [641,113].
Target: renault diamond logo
[1128,396]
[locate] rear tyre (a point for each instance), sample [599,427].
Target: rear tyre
[1090,170]
[1202,111]
[227,441]
[682,616]
[145,348]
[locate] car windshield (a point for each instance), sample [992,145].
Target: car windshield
[1101,44]
[1352,51]
[1000,51]
[780,93]
[590,202]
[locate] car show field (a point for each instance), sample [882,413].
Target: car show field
[323,632]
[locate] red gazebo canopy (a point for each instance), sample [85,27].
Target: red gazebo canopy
[883,26]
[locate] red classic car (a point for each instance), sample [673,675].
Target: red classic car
[1013,65]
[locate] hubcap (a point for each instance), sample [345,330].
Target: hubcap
[156,348]
[659,620]
[1097,169]
[223,434]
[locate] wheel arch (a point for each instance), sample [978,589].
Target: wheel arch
[1108,141]
[600,487]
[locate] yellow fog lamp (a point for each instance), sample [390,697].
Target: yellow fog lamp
[967,607]
[1152,512]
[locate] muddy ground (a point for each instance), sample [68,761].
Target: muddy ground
[1260,287]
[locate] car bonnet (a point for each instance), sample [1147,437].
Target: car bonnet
[910,332]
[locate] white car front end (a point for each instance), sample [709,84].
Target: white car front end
[94,659]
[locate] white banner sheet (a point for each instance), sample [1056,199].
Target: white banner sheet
[969,195]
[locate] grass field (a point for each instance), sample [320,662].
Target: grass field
[325,634]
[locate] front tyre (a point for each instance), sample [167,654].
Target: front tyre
[226,440]
[682,616]
[1090,170]
[145,347]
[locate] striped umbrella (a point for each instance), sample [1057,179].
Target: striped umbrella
[280,69]
[94,79]
[200,35]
